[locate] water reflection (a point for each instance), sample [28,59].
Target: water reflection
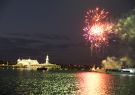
[91,83]
[14,82]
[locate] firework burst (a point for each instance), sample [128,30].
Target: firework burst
[97,28]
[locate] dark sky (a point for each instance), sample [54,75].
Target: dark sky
[33,28]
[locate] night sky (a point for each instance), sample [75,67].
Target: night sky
[34,28]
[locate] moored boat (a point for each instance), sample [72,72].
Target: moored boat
[42,69]
[121,71]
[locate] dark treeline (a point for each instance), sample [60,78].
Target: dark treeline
[75,67]
[5,62]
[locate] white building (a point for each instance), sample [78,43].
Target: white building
[30,64]
[27,62]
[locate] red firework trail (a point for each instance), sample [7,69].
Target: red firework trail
[97,28]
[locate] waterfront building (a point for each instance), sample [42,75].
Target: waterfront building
[31,62]
[34,64]
[27,62]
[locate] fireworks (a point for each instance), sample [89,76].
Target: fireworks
[97,28]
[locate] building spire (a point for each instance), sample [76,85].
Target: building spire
[47,59]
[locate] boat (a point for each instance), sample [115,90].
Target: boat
[129,70]
[121,71]
[42,69]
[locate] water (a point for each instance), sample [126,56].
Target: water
[104,84]
[15,82]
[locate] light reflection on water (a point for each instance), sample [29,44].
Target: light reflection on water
[92,84]
[14,82]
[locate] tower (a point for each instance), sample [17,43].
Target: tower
[47,59]
[18,60]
